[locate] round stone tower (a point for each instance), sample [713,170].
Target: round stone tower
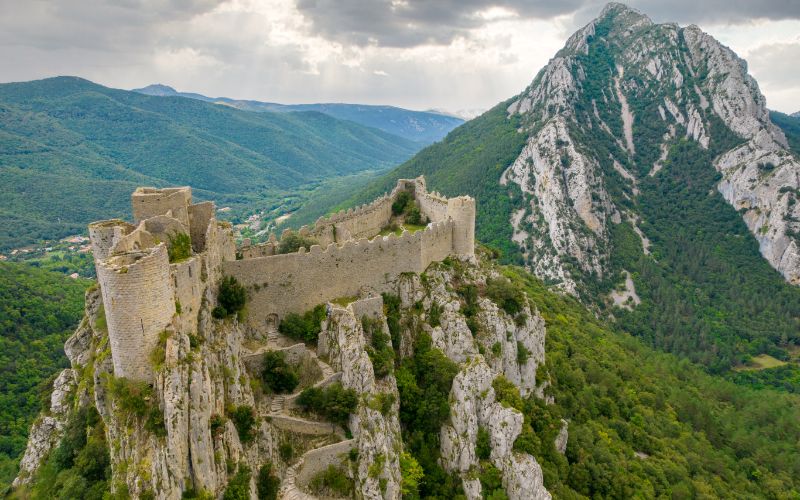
[462,210]
[139,304]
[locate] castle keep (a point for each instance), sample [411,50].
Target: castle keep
[145,294]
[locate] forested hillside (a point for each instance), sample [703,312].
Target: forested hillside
[423,127]
[38,311]
[790,124]
[72,152]
[647,424]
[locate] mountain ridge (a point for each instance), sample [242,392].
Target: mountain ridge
[419,126]
[624,186]
[84,137]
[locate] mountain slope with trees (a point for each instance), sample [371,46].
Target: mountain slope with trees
[38,311]
[72,151]
[423,127]
[566,196]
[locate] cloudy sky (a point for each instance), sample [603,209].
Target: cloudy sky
[456,55]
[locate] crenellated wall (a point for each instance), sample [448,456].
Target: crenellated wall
[296,282]
[142,290]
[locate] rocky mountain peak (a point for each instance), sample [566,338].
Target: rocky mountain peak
[611,104]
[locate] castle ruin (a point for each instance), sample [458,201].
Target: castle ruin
[144,294]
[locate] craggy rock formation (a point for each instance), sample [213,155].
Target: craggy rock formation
[491,352]
[622,73]
[203,375]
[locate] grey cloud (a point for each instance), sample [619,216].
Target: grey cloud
[93,25]
[394,23]
[774,65]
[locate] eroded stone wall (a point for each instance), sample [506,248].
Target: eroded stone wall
[297,282]
[139,305]
[150,202]
[105,234]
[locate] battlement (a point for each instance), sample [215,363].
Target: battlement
[350,255]
[144,293]
[368,220]
[141,288]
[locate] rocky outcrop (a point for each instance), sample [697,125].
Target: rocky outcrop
[689,85]
[376,430]
[48,429]
[500,338]
[187,439]
[474,406]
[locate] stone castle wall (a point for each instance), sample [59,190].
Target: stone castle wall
[296,282]
[139,305]
[200,216]
[150,202]
[105,234]
[142,291]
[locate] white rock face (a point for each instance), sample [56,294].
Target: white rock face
[563,437]
[473,405]
[377,435]
[565,218]
[472,397]
[500,328]
[568,207]
[48,429]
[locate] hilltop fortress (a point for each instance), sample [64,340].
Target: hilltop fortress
[146,292]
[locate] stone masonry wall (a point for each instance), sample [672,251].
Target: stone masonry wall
[186,281]
[297,282]
[432,206]
[149,202]
[105,234]
[139,305]
[200,216]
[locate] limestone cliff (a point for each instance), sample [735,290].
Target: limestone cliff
[186,437]
[603,114]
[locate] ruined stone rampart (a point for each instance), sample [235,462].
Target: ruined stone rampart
[105,234]
[149,202]
[144,294]
[200,216]
[296,282]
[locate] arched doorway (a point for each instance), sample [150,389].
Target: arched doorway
[272,322]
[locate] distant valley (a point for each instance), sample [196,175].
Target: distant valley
[71,151]
[419,126]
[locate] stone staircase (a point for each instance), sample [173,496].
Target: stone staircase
[318,458]
[277,404]
[326,436]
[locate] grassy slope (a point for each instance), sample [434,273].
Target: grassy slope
[63,141]
[38,311]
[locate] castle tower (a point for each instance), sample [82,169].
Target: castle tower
[139,304]
[105,234]
[148,202]
[462,210]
